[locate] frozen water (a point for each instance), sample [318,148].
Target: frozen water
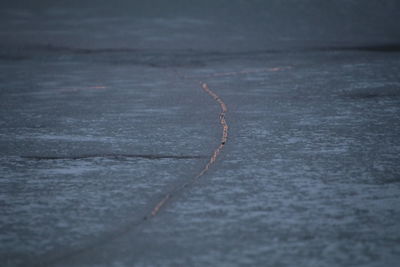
[102,114]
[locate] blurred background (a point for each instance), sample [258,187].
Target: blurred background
[220,24]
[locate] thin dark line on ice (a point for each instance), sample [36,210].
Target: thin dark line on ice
[213,158]
[113,156]
[64,255]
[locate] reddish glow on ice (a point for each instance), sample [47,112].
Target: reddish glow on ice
[214,155]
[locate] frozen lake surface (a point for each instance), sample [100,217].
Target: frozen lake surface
[102,116]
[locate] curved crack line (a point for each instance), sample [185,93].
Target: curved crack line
[111,236]
[214,155]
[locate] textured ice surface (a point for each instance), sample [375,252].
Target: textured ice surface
[309,176]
